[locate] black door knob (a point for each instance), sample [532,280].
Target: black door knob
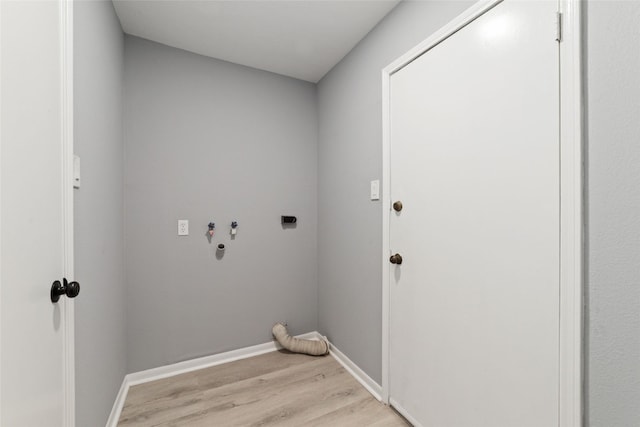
[397,206]
[396,259]
[65,288]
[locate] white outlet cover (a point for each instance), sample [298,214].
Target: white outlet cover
[183,227]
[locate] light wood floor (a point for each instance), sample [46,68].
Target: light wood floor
[277,388]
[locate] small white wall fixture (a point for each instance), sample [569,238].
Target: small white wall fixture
[571,203]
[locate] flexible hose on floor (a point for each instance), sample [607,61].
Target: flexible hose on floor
[297,345]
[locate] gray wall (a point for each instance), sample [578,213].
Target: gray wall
[349,151]
[207,140]
[613,206]
[99,224]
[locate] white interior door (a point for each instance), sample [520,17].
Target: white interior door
[34,229]
[474,131]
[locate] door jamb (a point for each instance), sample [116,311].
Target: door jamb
[68,332]
[0,220]
[571,215]
[571,203]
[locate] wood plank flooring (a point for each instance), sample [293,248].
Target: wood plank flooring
[277,388]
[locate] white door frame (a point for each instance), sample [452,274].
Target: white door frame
[68,332]
[571,199]
[66,108]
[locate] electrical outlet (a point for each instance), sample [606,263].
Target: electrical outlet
[183,227]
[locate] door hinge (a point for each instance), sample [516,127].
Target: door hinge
[558,27]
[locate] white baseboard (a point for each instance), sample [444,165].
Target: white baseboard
[116,410]
[361,376]
[217,359]
[404,413]
[206,362]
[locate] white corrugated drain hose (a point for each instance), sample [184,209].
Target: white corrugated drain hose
[297,345]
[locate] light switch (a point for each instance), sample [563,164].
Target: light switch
[375,190]
[183,227]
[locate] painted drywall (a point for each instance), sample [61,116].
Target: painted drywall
[211,141]
[613,209]
[349,156]
[99,224]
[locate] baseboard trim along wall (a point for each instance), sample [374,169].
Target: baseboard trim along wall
[367,382]
[114,416]
[161,372]
[403,412]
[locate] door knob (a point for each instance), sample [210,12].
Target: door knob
[397,206]
[71,290]
[396,259]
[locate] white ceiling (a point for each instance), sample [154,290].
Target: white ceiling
[297,38]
